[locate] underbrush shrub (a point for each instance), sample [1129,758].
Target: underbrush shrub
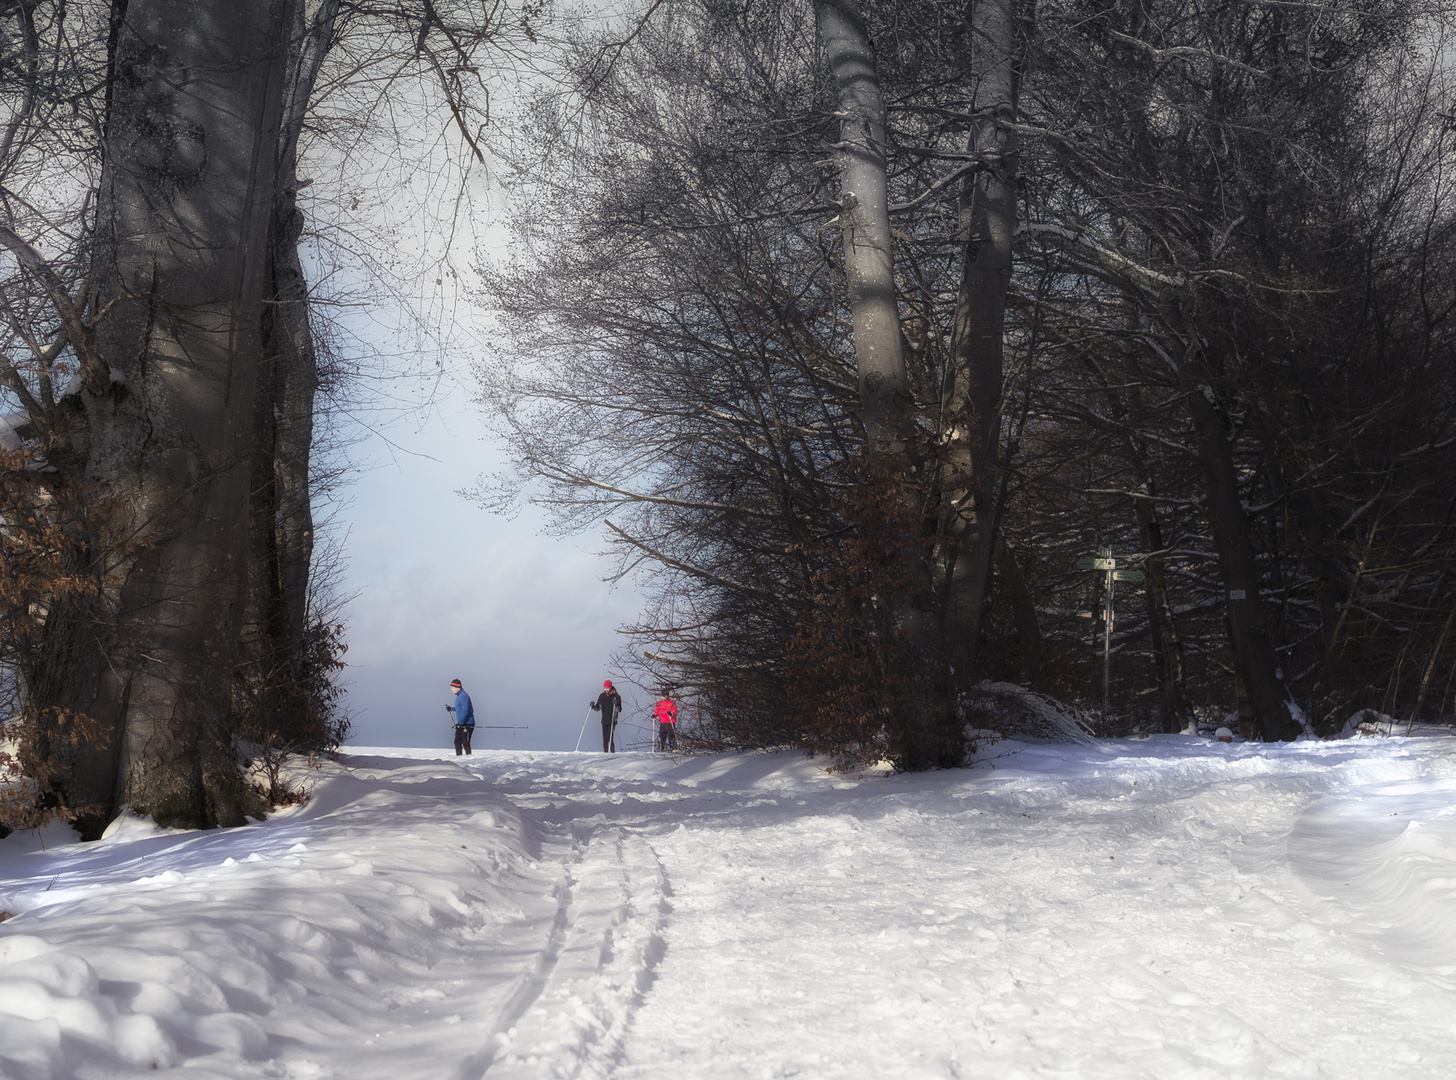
[289,706]
[743,710]
[864,678]
[1015,711]
[32,766]
[281,777]
[54,550]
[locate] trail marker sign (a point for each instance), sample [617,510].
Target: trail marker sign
[1107,564]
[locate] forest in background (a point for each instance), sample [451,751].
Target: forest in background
[864,328]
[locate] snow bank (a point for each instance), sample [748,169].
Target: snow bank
[1384,861]
[343,938]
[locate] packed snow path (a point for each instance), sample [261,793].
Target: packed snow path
[1165,908]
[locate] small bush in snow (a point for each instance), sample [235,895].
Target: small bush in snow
[1016,711]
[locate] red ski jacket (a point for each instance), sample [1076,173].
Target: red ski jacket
[666,711]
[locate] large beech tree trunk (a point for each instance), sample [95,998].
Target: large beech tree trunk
[181,268]
[925,724]
[972,395]
[884,384]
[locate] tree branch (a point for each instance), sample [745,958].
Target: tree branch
[94,370]
[687,568]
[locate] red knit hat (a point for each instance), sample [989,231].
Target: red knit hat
[608,684]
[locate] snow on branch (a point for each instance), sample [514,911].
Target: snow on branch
[1185,52]
[1078,242]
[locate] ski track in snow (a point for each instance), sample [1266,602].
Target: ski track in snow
[1161,908]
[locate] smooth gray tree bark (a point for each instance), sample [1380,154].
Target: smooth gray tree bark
[884,384]
[181,274]
[281,532]
[927,729]
[972,395]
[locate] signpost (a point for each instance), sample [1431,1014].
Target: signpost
[1105,562]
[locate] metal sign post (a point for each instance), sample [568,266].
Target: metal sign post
[1104,562]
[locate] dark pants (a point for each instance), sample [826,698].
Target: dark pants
[609,736]
[667,736]
[462,738]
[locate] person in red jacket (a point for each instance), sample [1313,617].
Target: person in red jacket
[666,713]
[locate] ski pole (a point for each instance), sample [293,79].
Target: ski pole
[583,732]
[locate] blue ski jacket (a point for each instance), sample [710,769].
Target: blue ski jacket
[464,710]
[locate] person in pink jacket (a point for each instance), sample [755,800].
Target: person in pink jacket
[666,713]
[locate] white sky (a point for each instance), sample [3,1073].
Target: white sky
[441,588]
[446,590]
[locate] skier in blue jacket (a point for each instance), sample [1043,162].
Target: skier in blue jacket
[464,717]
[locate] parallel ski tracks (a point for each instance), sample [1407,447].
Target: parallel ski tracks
[568,1018]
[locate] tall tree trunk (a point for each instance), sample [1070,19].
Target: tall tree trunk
[1023,611]
[884,383]
[1167,645]
[1253,647]
[290,338]
[280,551]
[180,263]
[972,395]
[1168,655]
[927,730]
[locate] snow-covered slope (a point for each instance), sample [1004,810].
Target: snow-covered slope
[1162,908]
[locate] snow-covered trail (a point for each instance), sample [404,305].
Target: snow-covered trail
[1148,909]
[1163,908]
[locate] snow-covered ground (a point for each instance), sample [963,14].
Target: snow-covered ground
[1164,908]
